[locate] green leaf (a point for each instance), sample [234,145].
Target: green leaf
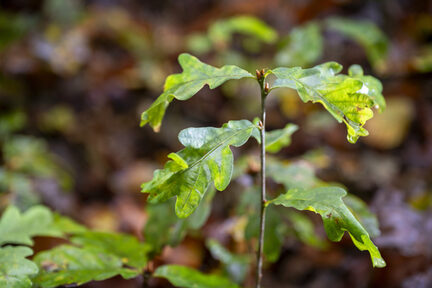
[274,233]
[67,264]
[126,247]
[222,31]
[15,269]
[236,266]
[198,218]
[184,85]
[275,228]
[304,229]
[185,277]
[278,139]
[249,201]
[67,225]
[302,47]
[164,228]
[344,97]
[273,236]
[337,218]
[207,158]
[299,174]
[17,228]
[367,34]
[363,214]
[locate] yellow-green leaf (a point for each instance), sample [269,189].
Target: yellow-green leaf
[346,98]
[372,86]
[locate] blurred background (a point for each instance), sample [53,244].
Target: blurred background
[76,75]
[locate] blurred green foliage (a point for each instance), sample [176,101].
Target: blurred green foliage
[423,61]
[13,27]
[303,46]
[220,35]
[235,266]
[26,159]
[367,34]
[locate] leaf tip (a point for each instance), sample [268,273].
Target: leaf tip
[379,263]
[184,57]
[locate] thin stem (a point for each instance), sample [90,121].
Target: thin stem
[259,273]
